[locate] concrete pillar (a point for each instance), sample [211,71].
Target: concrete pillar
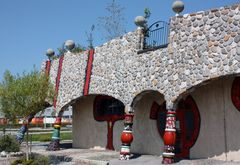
[169,137]
[127,136]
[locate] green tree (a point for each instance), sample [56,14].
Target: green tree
[147,13]
[113,24]
[24,95]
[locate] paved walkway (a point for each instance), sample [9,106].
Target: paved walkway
[70,156]
[154,160]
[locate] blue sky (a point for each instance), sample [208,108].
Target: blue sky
[29,27]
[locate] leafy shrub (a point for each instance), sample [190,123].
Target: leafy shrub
[16,162]
[41,160]
[27,162]
[36,160]
[9,144]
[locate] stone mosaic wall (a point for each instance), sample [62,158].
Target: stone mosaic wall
[72,77]
[202,46]
[53,71]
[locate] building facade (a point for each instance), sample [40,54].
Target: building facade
[181,100]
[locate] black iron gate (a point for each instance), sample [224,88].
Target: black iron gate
[156,35]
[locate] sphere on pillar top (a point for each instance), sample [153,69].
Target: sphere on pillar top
[50,53]
[69,44]
[140,21]
[178,7]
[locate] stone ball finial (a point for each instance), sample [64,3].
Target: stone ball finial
[69,44]
[50,53]
[178,6]
[140,21]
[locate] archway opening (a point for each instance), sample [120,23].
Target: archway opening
[145,132]
[97,122]
[220,128]
[108,109]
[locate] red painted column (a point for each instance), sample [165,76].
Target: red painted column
[169,138]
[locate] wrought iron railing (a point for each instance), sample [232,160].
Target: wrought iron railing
[156,36]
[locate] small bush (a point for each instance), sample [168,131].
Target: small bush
[9,144]
[41,160]
[16,162]
[36,160]
[27,162]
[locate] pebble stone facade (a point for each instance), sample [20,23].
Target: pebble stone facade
[202,46]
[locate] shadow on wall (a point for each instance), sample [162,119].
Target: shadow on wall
[220,127]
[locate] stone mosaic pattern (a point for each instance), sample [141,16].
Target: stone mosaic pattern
[202,46]
[72,77]
[54,71]
[111,72]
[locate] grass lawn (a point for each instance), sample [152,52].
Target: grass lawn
[48,136]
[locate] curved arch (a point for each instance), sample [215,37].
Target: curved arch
[204,82]
[82,96]
[138,96]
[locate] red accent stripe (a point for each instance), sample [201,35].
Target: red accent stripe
[58,80]
[47,67]
[88,72]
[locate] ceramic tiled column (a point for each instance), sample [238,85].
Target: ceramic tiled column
[169,137]
[127,136]
[55,142]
